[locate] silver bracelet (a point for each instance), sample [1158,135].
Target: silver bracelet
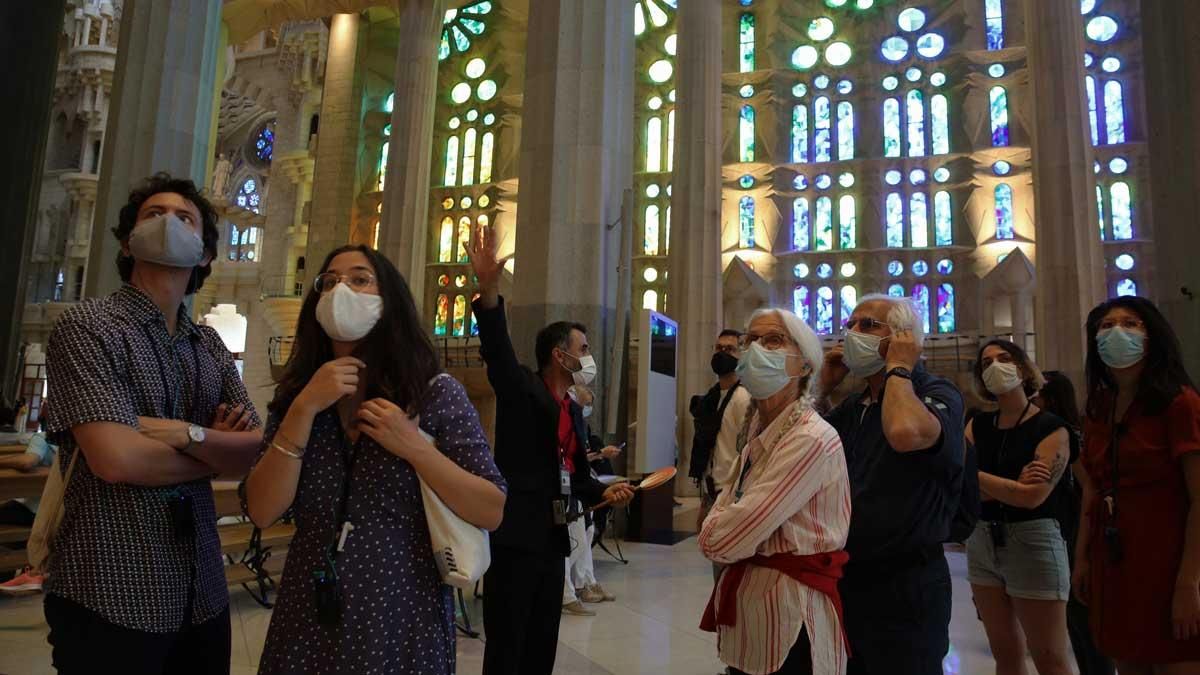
[287,452]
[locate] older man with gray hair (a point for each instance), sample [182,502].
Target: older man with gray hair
[903,437]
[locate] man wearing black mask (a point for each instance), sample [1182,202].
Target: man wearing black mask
[719,415]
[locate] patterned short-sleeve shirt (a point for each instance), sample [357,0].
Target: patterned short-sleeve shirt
[117,551]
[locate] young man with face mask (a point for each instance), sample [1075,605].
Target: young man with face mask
[155,404]
[542,457]
[719,416]
[903,437]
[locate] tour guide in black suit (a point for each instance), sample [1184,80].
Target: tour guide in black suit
[544,461]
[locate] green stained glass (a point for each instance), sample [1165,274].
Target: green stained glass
[845,115]
[478,8]
[746,134]
[891,128]
[916,123]
[472,25]
[444,47]
[799,134]
[822,135]
[895,220]
[451,175]
[939,113]
[461,41]
[654,144]
[658,17]
[468,170]
[746,43]
[824,224]
[943,219]
[999,117]
[800,224]
[846,222]
[639,20]
[918,219]
[805,57]
[440,319]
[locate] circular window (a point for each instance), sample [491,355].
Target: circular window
[848,269]
[891,82]
[895,268]
[475,68]
[845,87]
[823,181]
[1086,6]
[799,90]
[805,57]
[1118,165]
[801,271]
[460,93]
[448,203]
[746,91]
[838,54]
[465,203]
[912,74]
[917,177]
[746,182]
[941,174]
[996,70]
[652,191]
[894,48]
[920,268]
[1102,28]
[1111,64]
[654,103]
[820,29]
[892,177]
[669,44]
[846,179]
[1124,261]
[937,79]
[945,266]
[821,82]
[931,45]
[911,19]
[800,182]
[487,90]
[824,270]
[661,71]
[650,274]
[454,123]
[1001,168]
[472,115]
[484,200]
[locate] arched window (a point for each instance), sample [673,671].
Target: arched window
[799,134]
[1114,112]
[849,302]
[822,136]
[846,211]
[943,219]
[945,308]
[654,144]
[442,315]
[999,116]
[845,114]
[1004,211]
[824,310]
[486,151]
[920,298]
[1100,210]
[451,176]
[468,171]
[650,243]
[248,196]
[993,13]
[464,238]
[1089,83]
[460,316]
[1122,210]
[446,240]
[650,300]
[801,234]
[746,43]
[939,112]
[824,224]
[264,143]
[891,127]
[896,291]
[916,123]
[746,222]
[1126,287]
[746,134]
[800,303]
[918,219]
[895,220]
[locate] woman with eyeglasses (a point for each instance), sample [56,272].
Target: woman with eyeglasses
[361,416]
[1138,552]
[1017,557]
[780,526]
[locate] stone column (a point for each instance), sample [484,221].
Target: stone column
[1172,56]
[1070,267]
[30,36]
[405,220]
[573,171]
[160,115]
[335,177]
[694,296]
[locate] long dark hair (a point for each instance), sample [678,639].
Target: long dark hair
[1031,375]
[1163,376]
[400,356]
[1058,397]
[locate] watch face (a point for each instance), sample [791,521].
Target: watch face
[196,433]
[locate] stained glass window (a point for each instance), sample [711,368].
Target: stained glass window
[248,196]
[799,134]
[650,245]
[939,113]
[891,128]
[451,175]
[671,140]
[746,222]
[821,139]
[486,150]
[442,316]
[1100,210]
[650,300]
[999,116]
[468,172]
[943,219]
[746,134]
[945,308]
[460,26]
[845,114]
[895,220]
[654,144]
[849,302]
[1093,113]
[264,143]
[1126,287]
[824,310]
[916,124]
[383,158]
[994,20]
[824,224]
[1122,210]
[460,316]
[896,291]
[800,303]
[464,238]
[918,219]
[846,209]
[920,297]
[1004,211]
[446,240]
[1114,112]
[800,224]
[746,43]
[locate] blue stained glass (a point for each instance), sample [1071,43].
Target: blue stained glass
[941,174]
[746,43]
[824,181]
[920,268]
[846,220]
[461,41]
[1001,168]
[891,82]
[264,145]
[845,87]
[824,270]
[1126,287]
[800,224]
[996,70]
[1093,114]
[918,219]
[1086,6]
[1100,210]
[821,82]
[993,13]
[945,308]
[821,140]
[845,114]
[1004,211]
[824,223]
[746,181]
[746,222]
[746,134]
[478,8]
[800,182]
[916,124]
[895,222]
[1114,112]
[999,115]
[896,268]
[799,134]
[939,113]
[931,45]
[945,266]
[800,270]
[892,177]
[472,25]
[943,219]
[920,296]
[1122,210]
[891,128]
[896,291]
[800,303]
[894,48]
[824,310]
[1101,28]
[916,176]
[849,301]
[1124,262]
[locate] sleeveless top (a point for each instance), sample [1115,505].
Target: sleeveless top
[1004,452]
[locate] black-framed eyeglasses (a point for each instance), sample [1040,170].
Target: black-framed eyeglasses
[864,324]
[771,341]
[358,281]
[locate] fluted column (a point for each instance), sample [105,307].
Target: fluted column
[335,175]
[405,220]
[161,112]
[694,296]
[576,163]
[1070,267]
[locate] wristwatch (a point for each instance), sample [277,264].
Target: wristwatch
[196,436]
[899,371]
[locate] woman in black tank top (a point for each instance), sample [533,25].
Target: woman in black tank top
[1016,557]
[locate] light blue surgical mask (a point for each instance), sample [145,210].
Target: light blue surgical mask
[764,371]
[861,353]
[1120,348]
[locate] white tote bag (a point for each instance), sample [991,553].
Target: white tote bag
[49,514]
[460,549]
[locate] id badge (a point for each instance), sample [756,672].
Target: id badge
[560,512]
[564,481]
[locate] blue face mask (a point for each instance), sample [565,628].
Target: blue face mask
[764,371]
[1120,348]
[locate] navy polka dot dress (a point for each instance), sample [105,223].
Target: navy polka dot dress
[397,616]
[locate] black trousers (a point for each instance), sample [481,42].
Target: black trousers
[84,642]
[798,661]
[522,606]
[898,617]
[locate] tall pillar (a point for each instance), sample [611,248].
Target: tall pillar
[574,170]
[405,218]
[1070,267]
[335,176]
[1172,56]
[694,297]
[160,115]
[28,34]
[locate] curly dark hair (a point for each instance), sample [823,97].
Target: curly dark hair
[157,184]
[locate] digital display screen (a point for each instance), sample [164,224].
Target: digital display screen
[663,337]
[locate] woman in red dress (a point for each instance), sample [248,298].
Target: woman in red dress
[1138,563]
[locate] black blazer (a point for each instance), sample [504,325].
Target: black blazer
[526,445]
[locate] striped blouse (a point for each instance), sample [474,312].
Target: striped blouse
[795,499]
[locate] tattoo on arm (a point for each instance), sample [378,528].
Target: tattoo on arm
[1057,468]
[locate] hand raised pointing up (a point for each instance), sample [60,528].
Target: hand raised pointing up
[486,265]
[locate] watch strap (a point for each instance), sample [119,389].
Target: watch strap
[899,371]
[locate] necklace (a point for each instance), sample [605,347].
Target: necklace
[794,414]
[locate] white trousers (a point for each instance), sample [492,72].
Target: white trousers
[580,573]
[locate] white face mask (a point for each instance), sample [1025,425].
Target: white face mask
[1001,378]
[347,316]
[861,353]
[764,371]
[587,370]
[166,240]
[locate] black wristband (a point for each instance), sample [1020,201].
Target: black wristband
[899,371]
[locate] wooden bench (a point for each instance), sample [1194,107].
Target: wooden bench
[11,449]
[22,484]
[235,539]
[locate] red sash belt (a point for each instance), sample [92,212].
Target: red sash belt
[819,572]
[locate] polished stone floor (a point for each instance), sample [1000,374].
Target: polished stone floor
[651,628]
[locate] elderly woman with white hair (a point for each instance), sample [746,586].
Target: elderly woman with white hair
[781,525]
